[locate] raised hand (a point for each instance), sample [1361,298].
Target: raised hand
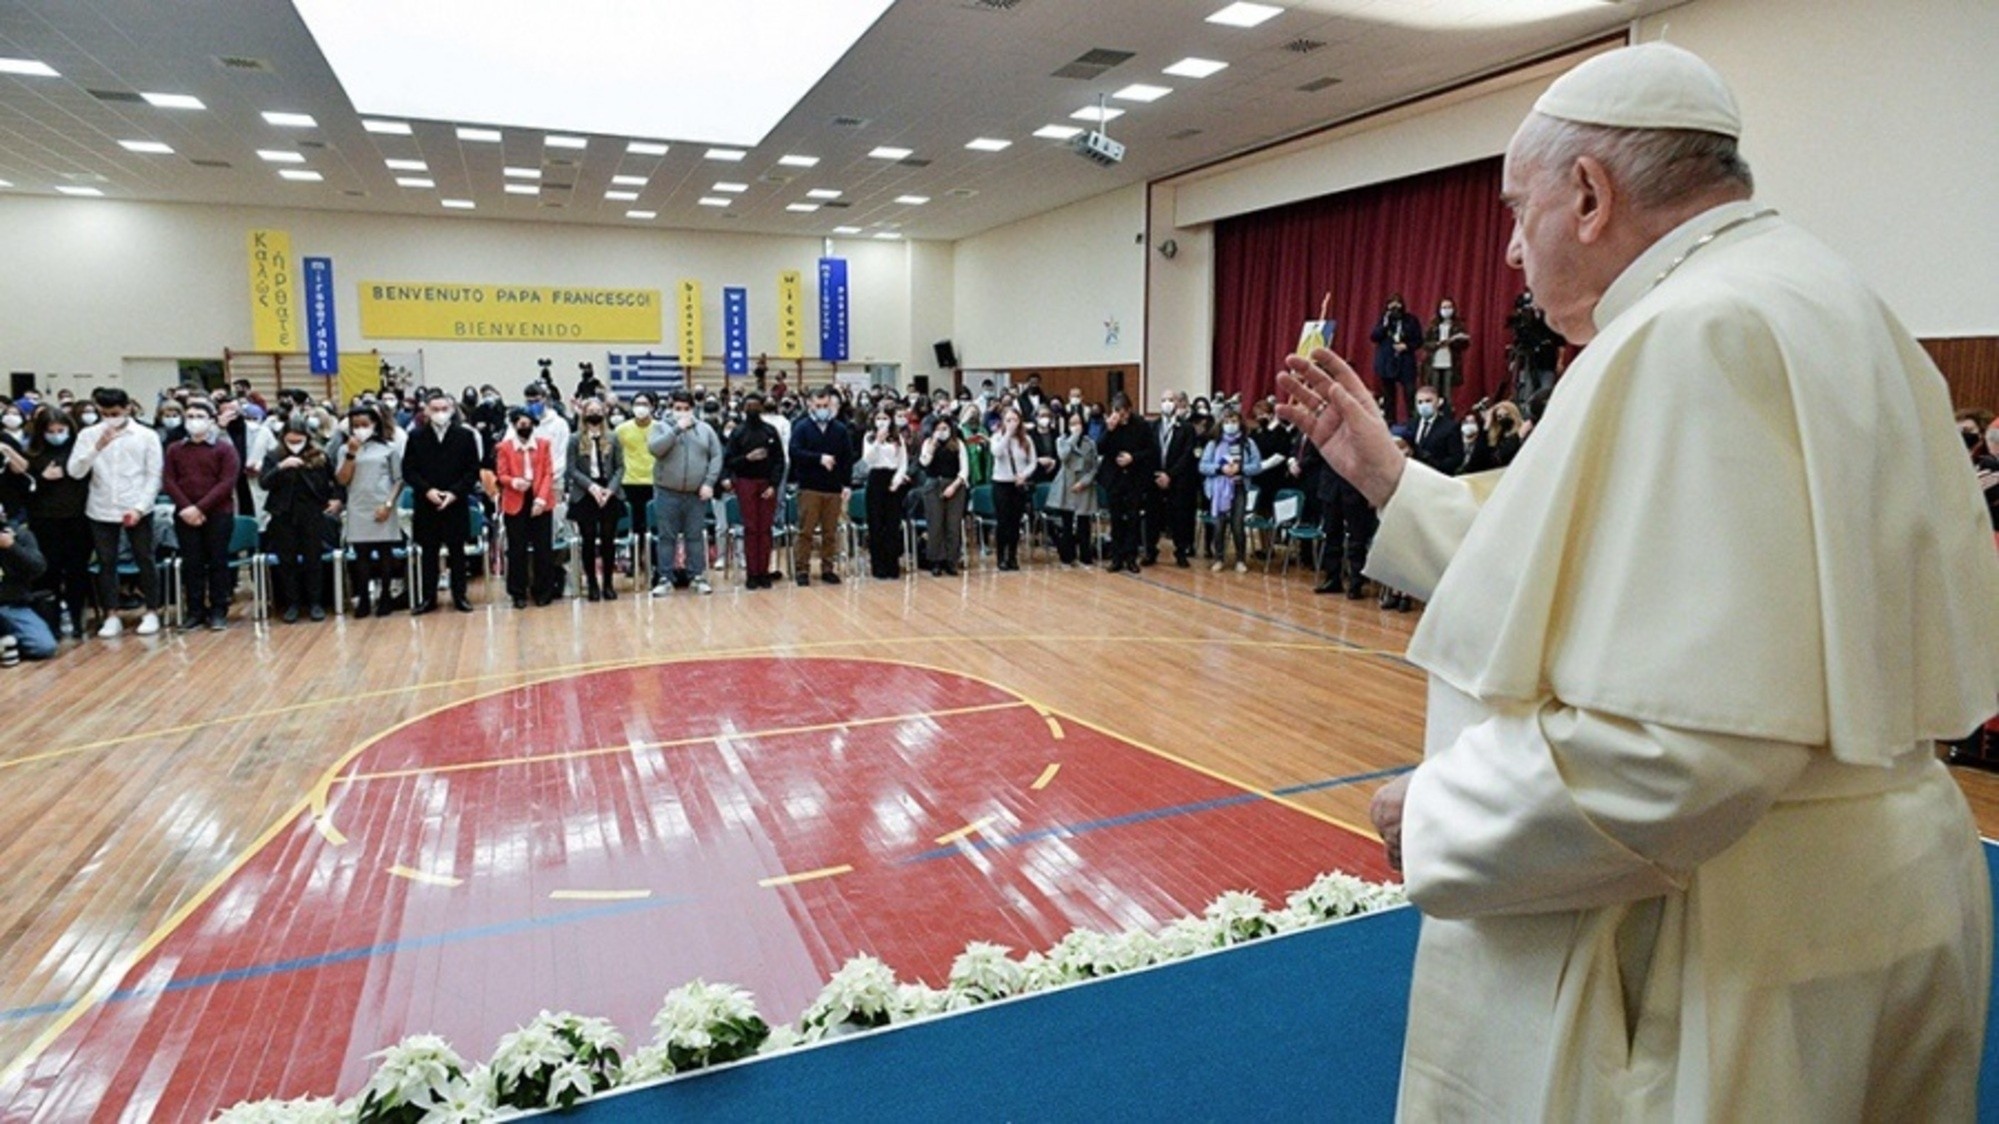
[1332,408]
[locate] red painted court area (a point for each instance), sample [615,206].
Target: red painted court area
[591,842]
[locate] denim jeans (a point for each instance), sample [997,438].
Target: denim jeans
[682,515]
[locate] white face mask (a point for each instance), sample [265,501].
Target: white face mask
[642,411]
[1470,430]
[296,447]
[199,427]
[363,432]
[1447,312]
[1166,409]
[11,421]
[90,417]
[117,422]
[441,419]
[1992,441]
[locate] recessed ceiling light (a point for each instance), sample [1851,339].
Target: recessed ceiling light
[153,147]
[822,193]
[621,196]
[407,165]
[1058,132]
[28,68]
[846,230]
[1191,67]
[1245,15]
[173,101]
[414,181]
[387,128]
[801,208]
[887,153]
[988,144]
[459,204]
[727,155]
[281,156]
[641,214]
[799,161]
[1097,113]
[522,189]
[300,175]
[887,235]
[521,173]
[6,183]
[713,201]
[1141,92]
[646,148]
[486,136]
[629,181]
[291,120]
[566,142]
[89,192]
[912,200]
[732,188]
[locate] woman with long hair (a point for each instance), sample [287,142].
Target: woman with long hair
[56,512]
[1072,495]
[885,452]
[944,495]
[597,499]
[368,463]
[1014,465]
[1228,463]
[299,483]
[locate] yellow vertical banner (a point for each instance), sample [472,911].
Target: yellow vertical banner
[273,294]
[690,325]
[790,315]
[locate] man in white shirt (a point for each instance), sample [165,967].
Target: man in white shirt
[123,461]
[1680,836]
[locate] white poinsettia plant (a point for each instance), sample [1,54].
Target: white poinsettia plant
[556,1060]
[862,994]
[1239,916]
[1336,894]
[985,972]
[305,1110]
[699,1025]
[420,1074]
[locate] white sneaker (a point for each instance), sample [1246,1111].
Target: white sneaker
[149,624]
[1242,567]
[701,586]
[112,627]
[1216,568]
[662,589]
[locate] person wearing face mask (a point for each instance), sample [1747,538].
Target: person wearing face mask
[526,470]
[1444,345]
[24,634]
[636,454]
[368,464]
[123,461]
[1478,454]
[755,461]
[16,483]
[1228,463]
[1129,452]
[1435,439]
[441,466]
[1014,466]
[1072,493]
[1396,339]
[946,490]
[1047,432]
[822,464]
[597,499]
[56,513]
[298,486]
[1174,502]
[687,465]
[200,475]
[167,422]
[885,453]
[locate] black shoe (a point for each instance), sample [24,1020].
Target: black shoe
[804,579]
[830,578]
[543,600]
[951,570]
[1358,592]
[217,621]
[1180,560]
[291,614]
[610,593]
[1114,568]
[520,602]
[317,613]
[593,595]
[461,604]
[1405,604]
[1330,585]
[424,607]
[1151,560]
[363,609]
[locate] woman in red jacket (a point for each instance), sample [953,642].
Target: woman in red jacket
[526,471]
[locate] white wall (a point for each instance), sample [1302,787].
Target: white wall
[932,285]
[90,282]
[1037,292]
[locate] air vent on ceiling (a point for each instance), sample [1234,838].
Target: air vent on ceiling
[211,163]
[850,122]
[239,62]
[913,162]
[1318,84]
[836,204]
[312,144]
[1304,46]
[1184,134]
[560,162]
[993,5]
[962,192]
[775,177]
[117,95]
[356,194]
[1093,64]
[551,205]
[557,186]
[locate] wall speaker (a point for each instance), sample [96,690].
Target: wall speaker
[947,356]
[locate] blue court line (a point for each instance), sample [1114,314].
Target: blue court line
[505,928]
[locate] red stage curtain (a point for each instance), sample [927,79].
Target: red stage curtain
[1440,234]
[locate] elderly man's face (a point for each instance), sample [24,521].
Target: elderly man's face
[1545,244]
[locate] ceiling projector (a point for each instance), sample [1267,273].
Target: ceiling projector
[1099,147]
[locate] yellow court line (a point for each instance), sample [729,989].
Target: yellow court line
[1054,727]
[1047,776]
[966,831]
[425,877]
[599,895]
[806,876]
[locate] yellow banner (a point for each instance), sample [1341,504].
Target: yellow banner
[273,294]
[427,310]
[790,315]
[690,325]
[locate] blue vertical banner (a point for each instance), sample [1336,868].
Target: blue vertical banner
[320,342]
[833,309]
[735,330]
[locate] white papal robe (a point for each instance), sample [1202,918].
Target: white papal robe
[1680,838]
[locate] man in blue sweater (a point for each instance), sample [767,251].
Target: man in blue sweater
[822,464]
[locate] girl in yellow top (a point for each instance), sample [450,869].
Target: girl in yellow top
[638,471]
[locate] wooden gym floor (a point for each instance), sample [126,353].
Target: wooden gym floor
[234,865]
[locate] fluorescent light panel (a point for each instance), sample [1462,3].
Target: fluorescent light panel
[1097,113]
[281,156]
[791,161]
[521,173]
[732,188]
[726,155]
[1245,15]
[566,142]
[641,214]
[822,193]
[1058,132]
[6,183]
[484,136]
[647,148]
[291,120]
[714,201]
[604,67]
[459,204]
[86,192]
[522,189]
[912,200]
[621,196]
[388,128]
[173,101]
[988,144]
[846,230]
[300,175]
[801,208]
[414,181]
[1139,91]
[887,235]
[28,68]
[405,165]
[1192,67]
[154,148]
[887,152]
[629,181]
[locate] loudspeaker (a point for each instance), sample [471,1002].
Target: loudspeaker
[947,356]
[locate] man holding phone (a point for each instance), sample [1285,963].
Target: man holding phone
[123,461]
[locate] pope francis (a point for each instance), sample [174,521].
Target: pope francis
[1680,838]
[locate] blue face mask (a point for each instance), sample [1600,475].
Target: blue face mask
[1231,429]
[534,410]
[1426,409]
[821,414]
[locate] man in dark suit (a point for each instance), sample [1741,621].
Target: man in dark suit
[1175,498]
[1434,438]
[1129,454]
[441,466]
[1396,339]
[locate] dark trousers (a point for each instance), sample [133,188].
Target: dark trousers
[1350,524]
[440,535]
[66,547]
[1406,407]
[884,525]
[1010,506]
[295,540]
[1126,518]
[530,542]
[104,538]
[638,500]
[759,519]
[373,562]
[204,565]
[1171,511]
[597,536]
[1074,535]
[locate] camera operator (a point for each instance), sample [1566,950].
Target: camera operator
[1534,353]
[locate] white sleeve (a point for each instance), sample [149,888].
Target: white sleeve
[1422,526]
[1537,810]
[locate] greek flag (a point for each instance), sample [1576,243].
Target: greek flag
[657,373]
